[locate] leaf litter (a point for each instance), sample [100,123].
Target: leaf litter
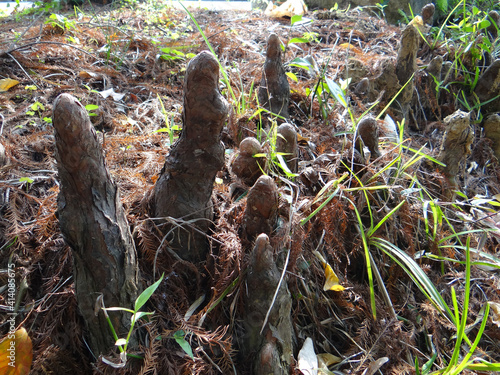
[123,62]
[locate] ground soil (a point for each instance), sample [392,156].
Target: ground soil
[120,50]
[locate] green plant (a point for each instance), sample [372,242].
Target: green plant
[275,160]
[225,77]
[170,128]
[61,22]
[122,343]
[90,108]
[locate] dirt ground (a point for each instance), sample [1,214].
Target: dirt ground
[129,63]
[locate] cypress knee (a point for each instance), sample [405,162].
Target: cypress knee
[274,90]
[271,345]
[406,65]
[286,143]
[94,225]
[184,189]
[456,145]
[262,207]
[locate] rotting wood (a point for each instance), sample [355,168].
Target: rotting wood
[261,210]
[93,223]
[184,189]
[274,90]
[267,342]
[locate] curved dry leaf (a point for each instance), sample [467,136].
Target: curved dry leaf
[332,281]
[495,313]
[325,360]
[307,361]
[16,353]
[7,83]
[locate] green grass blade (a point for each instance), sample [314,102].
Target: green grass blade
[146,294]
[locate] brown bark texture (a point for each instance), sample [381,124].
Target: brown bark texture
[406,65]
[245,166]
[93,223]
[184,188]
[261,210]
[488,88]
[274,90]
[271,347]
[456,144]
[286,143]
[368,133]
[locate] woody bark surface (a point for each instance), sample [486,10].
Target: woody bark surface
[456,145]
[406,65]
[268,342]
[274,90]
[261,210]
[286,143]
[184,188]
[94,225]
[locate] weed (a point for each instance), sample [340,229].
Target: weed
[90,108]
[170,128]
[61,22]
[122,343]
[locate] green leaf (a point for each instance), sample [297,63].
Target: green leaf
[138,315]
[26,179]
[120,342]
[179,338]
[91,107]
[118,309]
[292,76]
[298,40]
[146,294]
[296,18]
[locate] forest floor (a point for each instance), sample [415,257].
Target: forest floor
[127,66]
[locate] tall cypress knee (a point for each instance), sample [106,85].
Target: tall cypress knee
[274,90]
[184,188]
[94,225]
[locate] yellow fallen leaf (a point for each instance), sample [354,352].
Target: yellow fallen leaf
[7,83]
[332,281]
[351,48]
[16,353]
[325,360]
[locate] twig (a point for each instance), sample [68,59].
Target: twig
[24,71]
[7,53]
[277,291]
[24,32]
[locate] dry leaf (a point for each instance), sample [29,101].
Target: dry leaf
[495,313]
[7,83]
[375,366]
[86,75]
[325,360]
[16,353]
[110,92]
[307,361]
[289,8]
[331,279]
